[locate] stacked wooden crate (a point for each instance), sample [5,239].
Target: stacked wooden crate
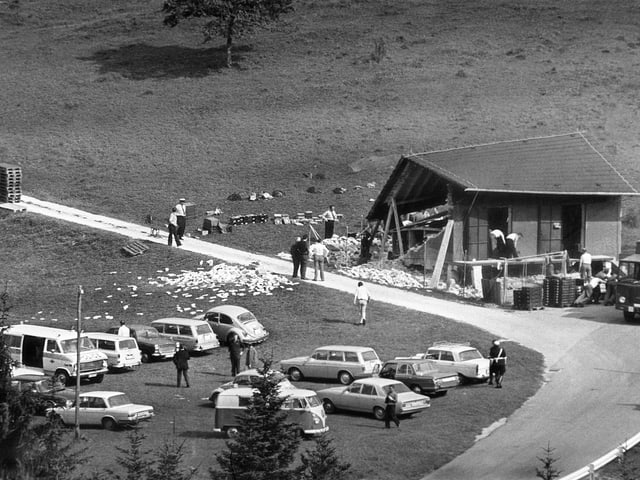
[558,291]
[528,297]
[10,183]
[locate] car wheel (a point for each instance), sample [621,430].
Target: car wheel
[145,357]
[99,378]
[109,423]
[328,406]
[295,374]
[416,389]
[61,377]
[629,316]
[232,432]
[379,413]
[345,378]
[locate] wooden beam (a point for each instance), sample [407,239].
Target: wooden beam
[442,254]
[383,244]
[398,225]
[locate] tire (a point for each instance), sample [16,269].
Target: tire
[629,316]
[145,357]
[232,432]
[109,423]
[295,374]
[416,389]
[345,378]
[328,406]
[379,413]
[61,377]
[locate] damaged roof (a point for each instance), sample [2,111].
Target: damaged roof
[555,165]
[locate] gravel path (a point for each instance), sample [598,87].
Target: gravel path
[586,407]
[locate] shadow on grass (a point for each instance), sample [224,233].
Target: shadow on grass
[338,320]
[156,384]
[141,61]
[201,434]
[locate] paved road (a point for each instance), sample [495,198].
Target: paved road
[587,406]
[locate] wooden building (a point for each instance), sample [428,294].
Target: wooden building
[558,191]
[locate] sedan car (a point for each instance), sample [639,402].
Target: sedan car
[44,391]
[420,376]
[109,409]
[226,320]
[249,378]
[367,396]
[152,346]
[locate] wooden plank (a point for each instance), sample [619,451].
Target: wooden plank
[383,244]
[442,254]
[398,225]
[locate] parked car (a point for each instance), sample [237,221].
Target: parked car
[627,286]
[225,320]
[302,407]
[248,378]
[121,352]
[109,409]
[460,358]
[195,335]
[45,392]
[342,362]
[368,394]
[151,344]
[420,376]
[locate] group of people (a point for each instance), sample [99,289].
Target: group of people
[601,285]
[177,222]
[504,247]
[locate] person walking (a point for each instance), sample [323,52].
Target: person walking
[498,363]
[319,253]
[181,361]
[361,298]
[295,256]
[123,331]
[173,228]
[251,360]
[181,214]
[330,218]
[585,265]
[235,354]
[390,408]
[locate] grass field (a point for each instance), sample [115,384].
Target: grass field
[107,110]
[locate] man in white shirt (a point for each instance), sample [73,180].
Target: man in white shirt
[512,243]
[173,228]
[361,298]
[123,331]
[319,253]
[585,265]
[500,244]
[181,214]
[330,218]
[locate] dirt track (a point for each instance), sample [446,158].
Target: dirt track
[586,407]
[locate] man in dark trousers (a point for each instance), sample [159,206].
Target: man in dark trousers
[295,257]
[235,353]
[390,410]
[181,361]
[498,363]
[181,213]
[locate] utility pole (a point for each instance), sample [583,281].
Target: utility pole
[78,329]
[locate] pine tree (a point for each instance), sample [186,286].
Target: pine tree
[322,463]
[167,463]
[266,443]
[132,458]
[548,471]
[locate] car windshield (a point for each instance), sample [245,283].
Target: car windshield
[71,346]
[313,401]
[247,317]
[118,400]
[203,329]
[398,387]
[128,344]
[369,355]
[467,355]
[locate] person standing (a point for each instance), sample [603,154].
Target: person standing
[173,228]
[123,331]
[181,361]
[390,408]
[296,257]
[319,253]
[500,244]
[303,248]
[181,214]
[512,245]
[251,360]
[330,218]
[362,298]
[498,363]
[235,353]
[585,265]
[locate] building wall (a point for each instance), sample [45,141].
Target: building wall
[524,220]
[602,232]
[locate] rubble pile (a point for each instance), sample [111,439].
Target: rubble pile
[384,276]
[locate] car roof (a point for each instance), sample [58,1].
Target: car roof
[377,381]
[350,348]
[105,336]
[39,331]
[179,321]
[30,378]
[229,309]
[291,392]
[101,394]
[411,361]
[452,346]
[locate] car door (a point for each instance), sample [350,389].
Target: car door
[335,363]
[89,411]
[351,399]
[404,373]
[389,370]
[369,398]
[316,365]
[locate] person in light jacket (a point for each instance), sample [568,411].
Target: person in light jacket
[361,298]
[319,253]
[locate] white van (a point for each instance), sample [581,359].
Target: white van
[54,351]
[303,408]
[195,335]
[121,352]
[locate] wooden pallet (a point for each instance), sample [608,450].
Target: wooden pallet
[135,248]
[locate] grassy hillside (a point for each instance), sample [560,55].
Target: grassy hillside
[107,109]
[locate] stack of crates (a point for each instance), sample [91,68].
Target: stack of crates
[528,298]
[558,292]
[10,180]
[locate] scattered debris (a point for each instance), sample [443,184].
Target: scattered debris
[135,248]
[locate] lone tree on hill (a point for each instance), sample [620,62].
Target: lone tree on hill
[227,18]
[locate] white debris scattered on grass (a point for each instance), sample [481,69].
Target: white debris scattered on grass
[385,276]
